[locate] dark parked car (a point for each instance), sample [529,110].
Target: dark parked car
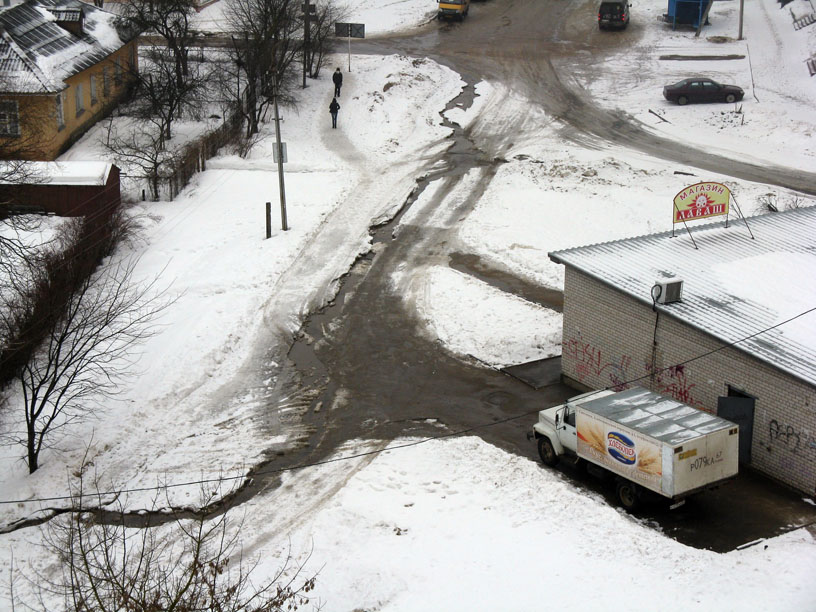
[699,89]
[613,14]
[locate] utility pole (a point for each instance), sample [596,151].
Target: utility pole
[284,224]
[742,9]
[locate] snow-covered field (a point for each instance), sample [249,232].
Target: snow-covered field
[454,524]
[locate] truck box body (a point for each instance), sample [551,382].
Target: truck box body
[659,443]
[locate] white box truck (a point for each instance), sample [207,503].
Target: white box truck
[648,441]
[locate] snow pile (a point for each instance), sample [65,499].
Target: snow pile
[462,525]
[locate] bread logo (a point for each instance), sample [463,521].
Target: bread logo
[593,435]
[649,462]
[621,448]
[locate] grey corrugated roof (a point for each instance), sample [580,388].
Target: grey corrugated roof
[656,416]
[633,265]
[37,55]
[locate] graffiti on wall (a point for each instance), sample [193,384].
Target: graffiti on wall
[589,361]
[797,441]
[675,382]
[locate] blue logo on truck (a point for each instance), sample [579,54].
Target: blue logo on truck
[621,447]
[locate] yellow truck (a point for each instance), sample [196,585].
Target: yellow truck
[453,9]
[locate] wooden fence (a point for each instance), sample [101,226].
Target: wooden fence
[194,155]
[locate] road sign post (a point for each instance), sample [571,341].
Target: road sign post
[349,30]
[279,150]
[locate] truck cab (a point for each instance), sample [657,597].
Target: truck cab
[555,430]
[453,9]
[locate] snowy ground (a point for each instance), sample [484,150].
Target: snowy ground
[453,524]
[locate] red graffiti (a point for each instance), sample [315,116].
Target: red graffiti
[588,361]
[674,382]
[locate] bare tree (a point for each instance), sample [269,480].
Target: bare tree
[171,21]
[86,351]
[142,152]
[161,96]
[20,259]
[264,52]
[193,564]
[19,268]
[165,86]
[13,248]
[322,35]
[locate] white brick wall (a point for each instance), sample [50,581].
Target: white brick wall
[608,341]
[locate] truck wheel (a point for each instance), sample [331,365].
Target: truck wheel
[627,494]
[547,452]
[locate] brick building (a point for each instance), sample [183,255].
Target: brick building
[725,322]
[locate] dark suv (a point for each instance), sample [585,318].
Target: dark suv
[613,14]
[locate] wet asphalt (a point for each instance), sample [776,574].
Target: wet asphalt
[369,371]
[363,368]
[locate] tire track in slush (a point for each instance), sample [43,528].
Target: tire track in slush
[306,382]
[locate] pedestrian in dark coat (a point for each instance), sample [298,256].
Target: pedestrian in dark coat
[333,108]
[337,77]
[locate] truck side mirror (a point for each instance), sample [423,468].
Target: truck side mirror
[556,420]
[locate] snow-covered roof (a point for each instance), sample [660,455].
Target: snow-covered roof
[68,172]
[735,287]
[37,54]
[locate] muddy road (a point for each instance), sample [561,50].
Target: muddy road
[362,368]
[539,49]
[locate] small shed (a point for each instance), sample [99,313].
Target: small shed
[66,189]
[686,12]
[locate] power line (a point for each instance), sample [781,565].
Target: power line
[406,444]
[284,469]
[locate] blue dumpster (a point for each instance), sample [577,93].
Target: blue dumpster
[686,12]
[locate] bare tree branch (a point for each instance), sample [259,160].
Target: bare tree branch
[86,352]
[142,152]
[268,44]
[192,564]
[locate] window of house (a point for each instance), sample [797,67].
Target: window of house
[80,103]
[9,118]
[117,71]
[60,111]
[105,82]
[93,89]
